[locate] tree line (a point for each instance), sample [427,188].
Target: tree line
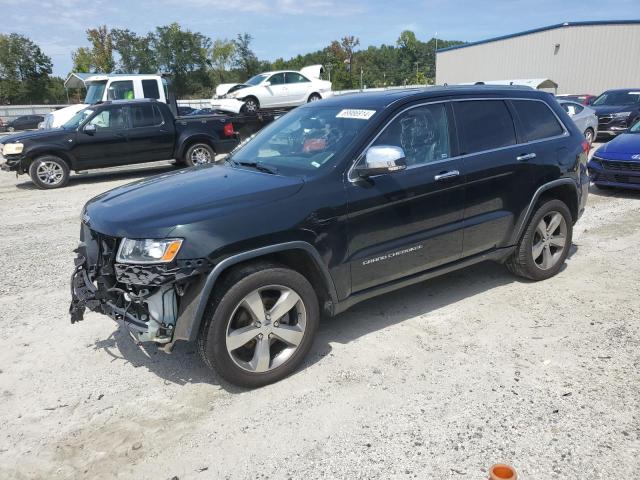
[196,63]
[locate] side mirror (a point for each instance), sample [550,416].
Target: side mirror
[89,129]
[266,84]
[382,159]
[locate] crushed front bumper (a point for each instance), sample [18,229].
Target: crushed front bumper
[612,173]
[146,299]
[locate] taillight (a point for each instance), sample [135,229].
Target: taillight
[586,146]
[228,130]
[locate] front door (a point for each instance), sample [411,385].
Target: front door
[108,145]
[276,93]
[405,222]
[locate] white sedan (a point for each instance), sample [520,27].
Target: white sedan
[584,117]
[281,89]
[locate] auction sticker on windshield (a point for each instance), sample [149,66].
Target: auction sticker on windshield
[355,113]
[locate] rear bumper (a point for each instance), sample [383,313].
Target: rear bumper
[225,146]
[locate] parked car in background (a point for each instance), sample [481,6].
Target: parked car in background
[617,110]
[617,163]
[331,205]
[280,89]
[584,99]
[115,133]
[202,111]
[182,111]
[25,122]
[584,117]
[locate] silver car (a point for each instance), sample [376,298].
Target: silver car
[584,117]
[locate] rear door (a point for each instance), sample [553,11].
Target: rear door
[150,138]
[107,146]
[505,162]
[408,221]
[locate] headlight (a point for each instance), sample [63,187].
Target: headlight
[148,250]
[12,148]
[621,114]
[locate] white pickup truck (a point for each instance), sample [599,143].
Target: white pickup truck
[102,87]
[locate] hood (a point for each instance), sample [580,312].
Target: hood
[623,147]
[606,109]
[152,208]
[224,88]
[32,135]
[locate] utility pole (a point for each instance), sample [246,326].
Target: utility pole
[435,60]
[417,64]
[360,78]
[329,67]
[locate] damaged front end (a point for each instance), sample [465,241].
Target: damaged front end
[145,298]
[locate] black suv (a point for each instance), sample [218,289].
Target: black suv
[617,111]
[332,204]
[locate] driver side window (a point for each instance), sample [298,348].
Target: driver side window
[422,132]
[109,119]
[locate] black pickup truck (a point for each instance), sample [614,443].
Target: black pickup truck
[120,133]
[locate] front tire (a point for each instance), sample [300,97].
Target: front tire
[49,172]
[199,154]
[545,244]
[251,105]
[259,325]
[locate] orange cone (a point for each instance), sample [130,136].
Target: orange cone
[500,471]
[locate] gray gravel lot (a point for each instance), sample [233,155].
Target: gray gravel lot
[439,380]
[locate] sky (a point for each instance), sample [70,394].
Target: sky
[285,28]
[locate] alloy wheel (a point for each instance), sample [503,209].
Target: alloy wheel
[200,156]
[50,173]
[266,328]
[549,241]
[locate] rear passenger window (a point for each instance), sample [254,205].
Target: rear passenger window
[150,89]
[537,119]
[422,132]
[145,116]
[484,125]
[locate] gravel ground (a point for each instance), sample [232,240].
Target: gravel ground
[439,380]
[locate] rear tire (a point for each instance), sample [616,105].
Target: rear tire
[545,244]
[260,357]
[49,171]
[314,97]
[199,154]
[589,135]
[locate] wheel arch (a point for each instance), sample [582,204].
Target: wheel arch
[298,255]
[42,152]
[564,189]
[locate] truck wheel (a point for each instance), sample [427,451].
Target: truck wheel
[251,105]
[259,325]
[49,172]
[314,97]
[199,154]
[545,244]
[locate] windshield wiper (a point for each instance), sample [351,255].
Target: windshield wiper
[258,166]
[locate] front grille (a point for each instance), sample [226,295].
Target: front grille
[626,166]
[626,179]
[604,120]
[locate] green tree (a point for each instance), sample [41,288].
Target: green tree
[184,54]
[134,52]
[101,49]
[245,60]
[222,54]
[82,60]
[24,70]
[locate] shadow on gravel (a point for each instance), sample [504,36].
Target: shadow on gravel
[614,192]
[185,366]
[111,175]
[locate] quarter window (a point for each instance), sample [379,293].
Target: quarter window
[121,90]
[537,119]
[150,89]
[422,132]
[484,125]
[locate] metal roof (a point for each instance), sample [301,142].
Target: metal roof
[543,29]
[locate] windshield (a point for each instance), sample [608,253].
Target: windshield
[75,121]
[618,98]
[304,140]
[257,80]
[95,91]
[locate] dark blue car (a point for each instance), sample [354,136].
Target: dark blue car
[617,163]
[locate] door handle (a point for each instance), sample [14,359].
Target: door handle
[525,157]
[445,175]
